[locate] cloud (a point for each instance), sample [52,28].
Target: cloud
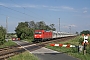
[72,25]
[25,6]
[45,6]
[68,26]
[54,9]
[31,6]
[65,26]
[1,3]
[85,8]
[62,8]
[19,6]
[85,11]
[67,8]
[15,6]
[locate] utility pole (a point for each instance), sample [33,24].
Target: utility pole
[70,29]
[59,24]
[6,26]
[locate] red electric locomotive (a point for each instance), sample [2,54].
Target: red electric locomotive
[41,35]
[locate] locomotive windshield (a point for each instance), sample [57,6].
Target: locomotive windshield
[38,32]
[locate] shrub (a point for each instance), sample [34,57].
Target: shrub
[81,40]
[2,35]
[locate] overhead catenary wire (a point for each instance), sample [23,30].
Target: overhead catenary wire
[33,17]
[10,16]
[18,11]
[27,9]
[24,13]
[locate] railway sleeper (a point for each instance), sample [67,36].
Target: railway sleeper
[8,52]
[7,55]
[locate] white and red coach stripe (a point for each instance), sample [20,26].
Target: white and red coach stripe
[61,45]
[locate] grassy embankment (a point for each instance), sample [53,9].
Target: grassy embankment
[72,51]
[24,56]
[30,39]
[8,44]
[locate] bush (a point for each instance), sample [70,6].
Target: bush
[2,35]
[88,49]
[8,44]
[2,40]
[88,46]
[81,40]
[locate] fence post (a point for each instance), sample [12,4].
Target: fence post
[78,48]
[84,48]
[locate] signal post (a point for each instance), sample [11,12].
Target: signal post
[85,43]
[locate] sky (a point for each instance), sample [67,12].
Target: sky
[73,14]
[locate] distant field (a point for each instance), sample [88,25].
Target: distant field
[72,51]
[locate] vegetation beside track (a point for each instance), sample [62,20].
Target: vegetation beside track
[24,56]
[2,35]
[73,51]
[8,44]
[29,40]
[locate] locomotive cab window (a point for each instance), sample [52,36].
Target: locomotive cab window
[38,32]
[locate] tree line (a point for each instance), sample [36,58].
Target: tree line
[25,30]
[85,32]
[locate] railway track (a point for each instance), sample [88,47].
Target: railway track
[58,40]
[11,51]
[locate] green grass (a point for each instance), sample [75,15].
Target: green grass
[7,44]
[72,51]
[28,40]
[24,56]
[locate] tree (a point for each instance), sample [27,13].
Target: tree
[52,27]
[32,24]
[40,25]
[85,32]
[47,27]
[23,31]
[77,33]
[2,35]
